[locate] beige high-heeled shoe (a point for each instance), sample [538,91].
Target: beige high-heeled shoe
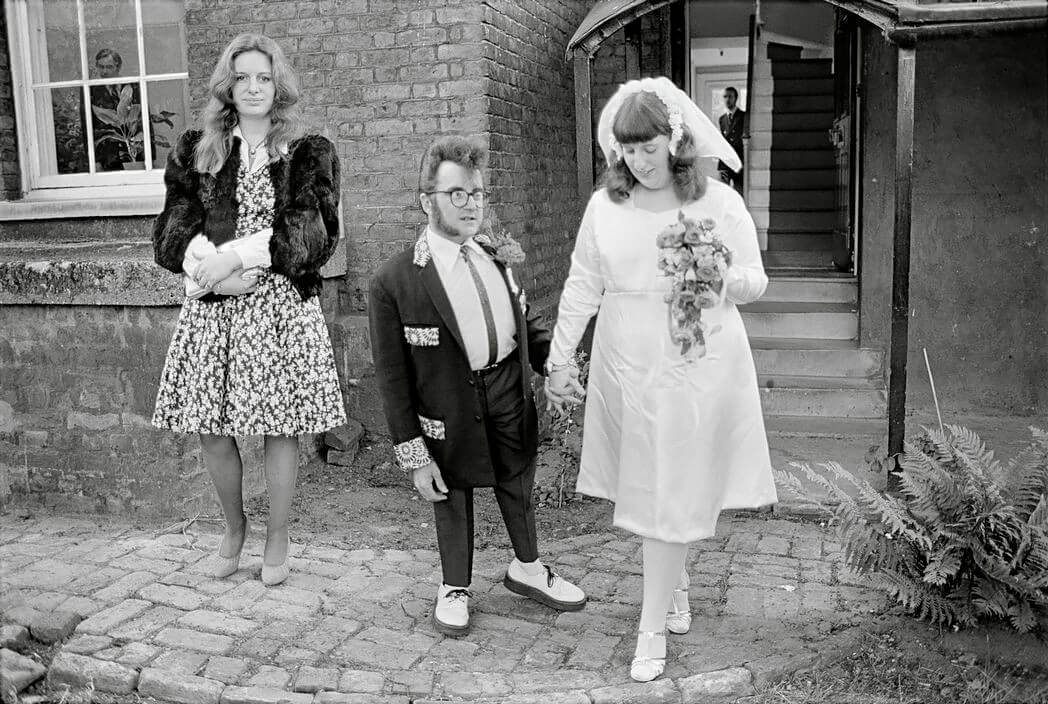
[645,668]
[678,621]
[222,567]
[272,575]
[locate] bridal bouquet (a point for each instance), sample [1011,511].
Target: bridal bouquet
[697,260]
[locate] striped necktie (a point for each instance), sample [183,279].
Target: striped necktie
[485,305]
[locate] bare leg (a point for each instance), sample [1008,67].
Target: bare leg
[281,475]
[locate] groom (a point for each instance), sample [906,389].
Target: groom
[454,345]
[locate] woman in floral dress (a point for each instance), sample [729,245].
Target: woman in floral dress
[250,216]
[672,439]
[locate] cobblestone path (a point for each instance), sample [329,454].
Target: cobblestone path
[137,614]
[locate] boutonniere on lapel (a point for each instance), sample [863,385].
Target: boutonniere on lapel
[505,249]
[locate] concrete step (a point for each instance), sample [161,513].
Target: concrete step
[784,52]
[803,121]
[802,221]
[796,199]
[801,158]
[786,272]
[802,139]
[781,242]
[808,85]
[813,321]
[811,259]
[825,403]
[811,290]
[802,179]
[780,366]
[836,428]
[801,103]
[801,68]
[815,381]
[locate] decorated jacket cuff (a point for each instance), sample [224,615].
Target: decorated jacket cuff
[412,454]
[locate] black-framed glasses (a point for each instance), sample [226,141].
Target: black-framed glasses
[459,197]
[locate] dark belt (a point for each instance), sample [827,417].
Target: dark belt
[492,368]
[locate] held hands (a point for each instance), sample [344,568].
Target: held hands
[430,483]
[563,387]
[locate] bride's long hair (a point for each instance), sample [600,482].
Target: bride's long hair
[643,117]
[220,115]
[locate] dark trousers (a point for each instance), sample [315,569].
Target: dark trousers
[502,406]
[730,177]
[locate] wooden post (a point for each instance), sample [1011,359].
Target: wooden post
[583,123]
[680,63]
[632,36]
[904,120]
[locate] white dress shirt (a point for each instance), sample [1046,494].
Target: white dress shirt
[465,301]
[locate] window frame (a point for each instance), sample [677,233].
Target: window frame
[137,190]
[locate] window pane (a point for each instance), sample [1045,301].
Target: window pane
[54,40]
[112,39]
[116,112]
[168,107]
[163,27]
[63,148]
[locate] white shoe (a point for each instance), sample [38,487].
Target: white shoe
[678,621]
[451,610]
[272,575]
[222,567]
[547,587]
[646,666]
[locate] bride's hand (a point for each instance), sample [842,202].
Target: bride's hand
[563,387]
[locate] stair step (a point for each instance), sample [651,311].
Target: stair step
[828,273]
[789,199]
[802,121]
[839,428]
[781,242]
[825,403]
[803,179]
[800,159]
[784,52]
[801,343]
[801,68]
[801,103]
[813,85]
[811,290]
[802,221]
[797,139]
[811,381]
[798,260]
[822,321]
[791,367]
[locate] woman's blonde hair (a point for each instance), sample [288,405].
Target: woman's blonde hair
[220,115]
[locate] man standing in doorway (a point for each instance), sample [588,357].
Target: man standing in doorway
[732,126]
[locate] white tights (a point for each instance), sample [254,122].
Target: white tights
[664,571]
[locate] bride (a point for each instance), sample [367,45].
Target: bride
[671,439]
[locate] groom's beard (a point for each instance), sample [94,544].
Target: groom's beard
[458,228]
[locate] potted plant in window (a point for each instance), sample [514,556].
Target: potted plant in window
[123,126]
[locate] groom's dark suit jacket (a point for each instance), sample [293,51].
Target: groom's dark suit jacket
[428,389]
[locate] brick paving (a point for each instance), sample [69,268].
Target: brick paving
[771,597]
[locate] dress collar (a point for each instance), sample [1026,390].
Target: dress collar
[245,151]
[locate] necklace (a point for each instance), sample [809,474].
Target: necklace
[252,150]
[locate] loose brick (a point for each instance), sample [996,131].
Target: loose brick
[79,671]
[179,688]
[732,682]
[362,681]
[315,679]
[218,622]
[107,619]
[186,662]
[225,669]
[269,677]
[168,595]
[194,640]
[263,695]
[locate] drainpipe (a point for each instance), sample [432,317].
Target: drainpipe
[900,319]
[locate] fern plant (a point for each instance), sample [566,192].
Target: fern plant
[966,540]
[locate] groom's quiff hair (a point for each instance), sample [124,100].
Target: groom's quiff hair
[468,152]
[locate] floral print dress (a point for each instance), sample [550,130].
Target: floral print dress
[256,364]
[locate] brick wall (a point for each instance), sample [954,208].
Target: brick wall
[10,179]
[531,127]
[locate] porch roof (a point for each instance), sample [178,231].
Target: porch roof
[916,14]
[608,16]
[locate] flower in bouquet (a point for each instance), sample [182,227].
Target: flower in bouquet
[697,260]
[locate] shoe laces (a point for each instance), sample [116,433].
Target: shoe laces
[551,576]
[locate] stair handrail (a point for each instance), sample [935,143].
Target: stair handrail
[751,54]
